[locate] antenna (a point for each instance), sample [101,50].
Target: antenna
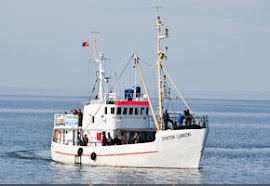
[157,7]
[95,42]
[92,32]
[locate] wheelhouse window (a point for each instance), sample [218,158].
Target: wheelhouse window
[130,111]
[136,111]
[105,110]
[112,110]
[119,110]
[125,111]
[142,111]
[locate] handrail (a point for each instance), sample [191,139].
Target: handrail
[66,142]
[201,121]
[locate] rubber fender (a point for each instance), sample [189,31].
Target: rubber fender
[80,151]
[93,156]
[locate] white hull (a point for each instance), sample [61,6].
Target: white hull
[171,149]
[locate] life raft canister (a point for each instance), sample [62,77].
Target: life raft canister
[58,134]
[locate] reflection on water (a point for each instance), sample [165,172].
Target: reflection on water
[91,174]
[70,173]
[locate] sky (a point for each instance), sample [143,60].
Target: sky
[214,45]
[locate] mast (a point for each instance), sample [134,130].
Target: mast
[95,41]
[135,82]
[160,57]
[100,75]
[101,70]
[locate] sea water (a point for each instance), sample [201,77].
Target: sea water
[237,149]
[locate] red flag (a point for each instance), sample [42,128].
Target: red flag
[85,44]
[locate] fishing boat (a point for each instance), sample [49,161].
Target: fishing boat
[125,130]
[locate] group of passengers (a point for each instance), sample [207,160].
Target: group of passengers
[187,118]
[80,115]
[82,140]
[119,140]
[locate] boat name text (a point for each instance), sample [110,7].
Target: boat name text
[178,136]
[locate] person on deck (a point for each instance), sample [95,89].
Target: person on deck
[136,138]
[75,112]
[109,140]
[117,141]
[180,119]
[167,119]
[85,140]
[104,139]
[188,117]
[129,139]
[80,117]
[124,141]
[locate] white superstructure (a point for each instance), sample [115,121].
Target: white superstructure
[140,135]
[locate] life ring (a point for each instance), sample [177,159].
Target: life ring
[80,151]
[93,156]
[58,134]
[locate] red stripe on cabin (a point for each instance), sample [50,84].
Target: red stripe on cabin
[131,103]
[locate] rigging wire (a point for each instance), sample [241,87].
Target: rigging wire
[124,69]
[153,77]
[88,83]
[181,96]
[145,62]
[164,72]
[93,90]
[108,94]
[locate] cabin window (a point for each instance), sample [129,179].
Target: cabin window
[118,110]
[130,111]
[147,110]
[112,110]
[105,111]
[142,109]
[136,111]
[125,111]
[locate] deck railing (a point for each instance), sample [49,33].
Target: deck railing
[77,142]
[186,122]
[201,121]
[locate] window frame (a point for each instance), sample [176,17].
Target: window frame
[130,111]
[118,110]
[112,110]
[125,111]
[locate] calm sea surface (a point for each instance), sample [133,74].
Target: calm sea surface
[237,149]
